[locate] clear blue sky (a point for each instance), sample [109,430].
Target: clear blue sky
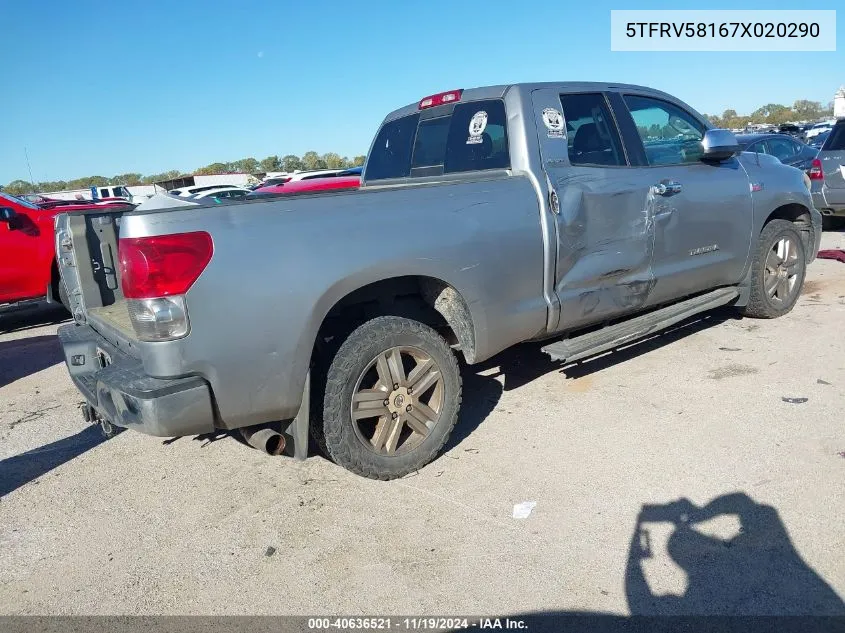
[113,87]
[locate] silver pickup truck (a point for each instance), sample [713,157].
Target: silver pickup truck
[585,215]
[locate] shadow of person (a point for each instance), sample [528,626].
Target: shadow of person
[757,571]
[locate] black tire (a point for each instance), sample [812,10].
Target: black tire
[342,438]
[760,304]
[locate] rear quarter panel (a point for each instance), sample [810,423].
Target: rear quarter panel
[280,265]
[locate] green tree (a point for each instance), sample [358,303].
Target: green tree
[245,166]
[167,175]
[358,161]
[334,161]
[213,168]
[310,160]
[19,187]
[292,163]
[271,163]
[126,179]
[772,113]
[807,110]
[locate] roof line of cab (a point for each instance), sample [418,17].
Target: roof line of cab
[499,91]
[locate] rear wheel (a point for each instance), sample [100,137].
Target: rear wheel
[777,271]
[392,395]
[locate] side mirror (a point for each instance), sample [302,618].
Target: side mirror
[719,145]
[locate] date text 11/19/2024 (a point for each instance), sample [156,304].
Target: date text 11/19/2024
[414,624]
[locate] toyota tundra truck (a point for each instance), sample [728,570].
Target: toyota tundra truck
[583,215]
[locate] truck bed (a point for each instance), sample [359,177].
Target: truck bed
[116,316]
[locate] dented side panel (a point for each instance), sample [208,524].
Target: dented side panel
[703,233]
[606,244]
[605,230]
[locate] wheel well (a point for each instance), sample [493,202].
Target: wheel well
[424,299]
[799,215]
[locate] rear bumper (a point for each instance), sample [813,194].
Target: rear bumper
[116,385]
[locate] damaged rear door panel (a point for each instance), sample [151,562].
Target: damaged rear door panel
[604,228]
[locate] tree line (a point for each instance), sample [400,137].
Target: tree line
[309,160]
[773,114]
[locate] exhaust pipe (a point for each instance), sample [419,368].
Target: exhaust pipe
[264,439]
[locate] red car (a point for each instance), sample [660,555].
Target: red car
[317,184]
[27,250]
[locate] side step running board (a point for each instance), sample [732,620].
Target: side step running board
[573,349]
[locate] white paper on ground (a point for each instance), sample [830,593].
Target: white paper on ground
[523,510]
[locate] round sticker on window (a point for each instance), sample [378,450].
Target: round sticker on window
[477,125]
[554,122]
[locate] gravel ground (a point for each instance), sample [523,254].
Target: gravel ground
[142,525]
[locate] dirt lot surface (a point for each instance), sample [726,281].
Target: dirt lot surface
[745,414]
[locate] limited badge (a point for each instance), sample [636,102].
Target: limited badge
[477,125]
[553,120]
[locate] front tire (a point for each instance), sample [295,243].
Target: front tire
[777,271]
[392,396]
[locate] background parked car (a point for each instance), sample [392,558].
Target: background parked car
[828,174]
[786,149]
[306,175]
[194,190]
[28,269]
[792,130]
[314,185]
[818,140]
[222,193]
[818,128]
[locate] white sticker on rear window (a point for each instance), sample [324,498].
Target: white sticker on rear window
[477,125]
[554,122]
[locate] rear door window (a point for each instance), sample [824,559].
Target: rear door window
[474,137]
[781,148]
[836,140]
[390,156]
[591,133]
[478,137]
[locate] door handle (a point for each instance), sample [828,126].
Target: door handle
[666,188]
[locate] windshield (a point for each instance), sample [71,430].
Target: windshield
[7,197]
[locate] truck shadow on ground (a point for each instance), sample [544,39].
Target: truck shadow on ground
[32,317]
[25,356]
[732,578]
[21,469]
[525,363]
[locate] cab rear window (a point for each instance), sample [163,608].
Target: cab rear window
[472,138]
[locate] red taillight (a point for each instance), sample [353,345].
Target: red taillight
[162,265]
[816,172]
[441,98]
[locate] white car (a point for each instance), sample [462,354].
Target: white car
[195,189]
[818,128]
[276,178]
[222,193]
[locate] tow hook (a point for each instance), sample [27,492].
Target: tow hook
[91,416]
